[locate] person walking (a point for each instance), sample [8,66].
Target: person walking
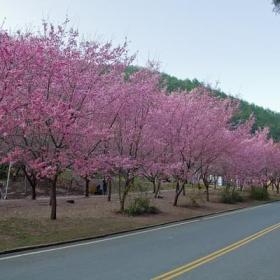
[104,185]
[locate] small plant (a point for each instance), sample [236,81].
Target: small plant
[226,197]
[194,202]
[141,206]
[195,198]
[231,197]
[140,185]
[258,193]
[3,171]
[237,196]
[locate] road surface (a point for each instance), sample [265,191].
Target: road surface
[239,245]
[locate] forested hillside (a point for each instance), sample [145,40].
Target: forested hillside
[264,117]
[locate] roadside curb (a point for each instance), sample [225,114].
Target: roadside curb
[73,241]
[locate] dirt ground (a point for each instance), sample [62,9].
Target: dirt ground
[24,222]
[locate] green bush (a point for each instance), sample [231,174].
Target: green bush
[231,197]
[258,193]
[3,171]
[141,185]
[237,196]
[195,197]
[141,206]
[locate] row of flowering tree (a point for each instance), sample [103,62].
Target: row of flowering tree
[67,104]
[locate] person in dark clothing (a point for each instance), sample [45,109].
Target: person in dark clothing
[104,184]
[98,190]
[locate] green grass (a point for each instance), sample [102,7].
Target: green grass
[15,232]
[20,231]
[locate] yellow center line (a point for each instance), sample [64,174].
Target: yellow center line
[192,265]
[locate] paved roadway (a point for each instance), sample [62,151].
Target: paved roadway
[151,253]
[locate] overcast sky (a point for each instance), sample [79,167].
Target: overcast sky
[235,43]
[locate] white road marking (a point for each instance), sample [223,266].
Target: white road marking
[129,234]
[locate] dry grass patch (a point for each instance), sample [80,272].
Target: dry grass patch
[24,222]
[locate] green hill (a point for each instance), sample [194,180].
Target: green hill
[263,117]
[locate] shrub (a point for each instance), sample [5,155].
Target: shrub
[258,193]
[141,206]
[231,197]
[195,197]
[237,196]
[194,202]
[141,185]
[3,171]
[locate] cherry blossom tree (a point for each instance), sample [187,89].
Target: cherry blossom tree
[131,127]
[54,85]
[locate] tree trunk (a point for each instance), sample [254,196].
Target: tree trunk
[177,186]
[233,191]
[32,180]
[86,187]
[33,191]
[206,184]
[53,198]
[124,195]
[122,201]
[207,193]
[177,194]
[154,185]
[157,190]
[109,189]
[184,190]
[215,183]
[277,188]
[265,186]
[120,187]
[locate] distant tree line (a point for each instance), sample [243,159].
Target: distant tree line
[263,117]
[276,4]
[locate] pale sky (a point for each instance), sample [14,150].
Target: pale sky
[235,43]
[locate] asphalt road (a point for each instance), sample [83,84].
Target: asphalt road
[152,253]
